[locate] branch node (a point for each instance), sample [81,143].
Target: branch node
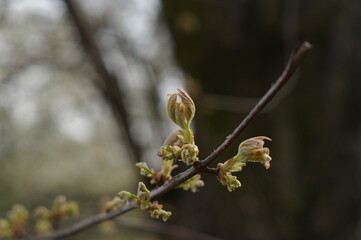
[199,167]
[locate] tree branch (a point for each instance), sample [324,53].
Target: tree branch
[84,224]
[171,230]
[109,83]
[297,56]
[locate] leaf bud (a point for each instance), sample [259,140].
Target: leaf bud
[18,215]
[43,226]
[145,170]
[156,211]
[227,179]
[59,206]
[192,184]
[169,152]
[42,212]
[252,150]
[189,153]
[5,230]
[181,109]
[126,196]
[143,196]
[72,208]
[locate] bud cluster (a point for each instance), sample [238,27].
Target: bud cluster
[142,200]
[14,225]
[250,150]
[192,184]
[15,222]
[157,177]
[179,146]
[48,219]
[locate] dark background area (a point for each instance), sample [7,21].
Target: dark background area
[237,48]
[226,54]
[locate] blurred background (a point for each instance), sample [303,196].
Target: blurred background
[83,87]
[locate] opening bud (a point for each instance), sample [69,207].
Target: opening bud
[181,109]
[252,150]
[143,196]
[192,184]
[156,211]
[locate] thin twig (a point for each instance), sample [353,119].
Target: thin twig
[297,56]
[84,224]
[172,230]
[295,60]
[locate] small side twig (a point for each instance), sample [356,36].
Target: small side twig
[199,166]
[297,56]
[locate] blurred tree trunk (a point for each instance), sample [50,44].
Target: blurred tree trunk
[237,48]
[108,83]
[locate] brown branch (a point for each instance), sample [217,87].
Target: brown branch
[295,60]
[297,56]
[84,224]
[203,169]
[109,83]
[171,230]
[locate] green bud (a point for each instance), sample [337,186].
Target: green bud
[43,226]
[59,206]
[252,150]
[5,230]
[126,196]
[72,208]
[143,191]
[231,165]
[189,153]
[169,152]
[227,179]
[181,109]
[156,211]
[143,196]
[165,215]
[192,184]
[42,212]
[17,215]
[145,170]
